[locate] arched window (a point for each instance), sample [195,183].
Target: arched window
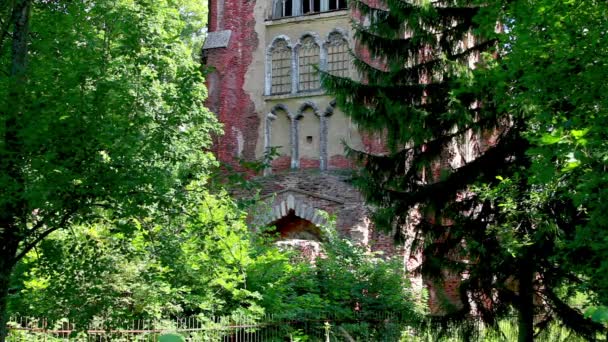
[280,67]
[338,61]
[282,8]
[308,58]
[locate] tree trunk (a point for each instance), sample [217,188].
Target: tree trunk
[526,301]
[9,244]
[13,211]
[6,268]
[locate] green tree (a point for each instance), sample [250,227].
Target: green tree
[101,112]
[158,268]
[347,284]
[557,66]
[483,212]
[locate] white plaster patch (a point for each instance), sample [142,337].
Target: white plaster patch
[240,141]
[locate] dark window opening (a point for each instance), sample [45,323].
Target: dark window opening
[288,11]
[309,139]
[311,6]
[337,4]
[283,8]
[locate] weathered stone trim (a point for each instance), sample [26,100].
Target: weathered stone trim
[299,208]
[339,30]
[311,105]
[304,192]
[323,132]
[295,148]
[270,117]
[294,96]
[217,39]
[304,17]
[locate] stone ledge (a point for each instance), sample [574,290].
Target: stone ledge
[217,39]
[294,95]
[306,17]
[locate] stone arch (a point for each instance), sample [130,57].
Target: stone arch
[340,31]
[314,35]
[309,104]
[300,209]
[329,111]
[309,135]
[280,108]
[276,41]
[273,137]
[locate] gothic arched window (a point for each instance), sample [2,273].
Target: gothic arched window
[308,59]
[338,61]
[280,67]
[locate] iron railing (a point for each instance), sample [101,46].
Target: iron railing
[382,327]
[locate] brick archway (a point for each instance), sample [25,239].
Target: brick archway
[297,208]
[292,227]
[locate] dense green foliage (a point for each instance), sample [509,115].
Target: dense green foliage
[556,64]
[207,265]
[161,268]
[101,115]
[347,281]
[107,212]
[506,161]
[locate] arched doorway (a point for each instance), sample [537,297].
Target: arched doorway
[292,227]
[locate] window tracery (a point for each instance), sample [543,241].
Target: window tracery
[281,57]
[338,61]
[308,59]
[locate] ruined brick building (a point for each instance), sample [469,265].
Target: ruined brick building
[266,92]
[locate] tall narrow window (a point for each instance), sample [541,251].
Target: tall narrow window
[282,8]
[308,58]
[311,6]
[281,68]
[337,4]
[338,60]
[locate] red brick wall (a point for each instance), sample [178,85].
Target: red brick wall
[340,162]
[281,163]
[230,102]
[306,163]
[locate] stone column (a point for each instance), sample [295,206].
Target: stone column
[267,142]
[295,158]
[323,142]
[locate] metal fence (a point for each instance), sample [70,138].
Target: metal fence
[308,328]
[302,328]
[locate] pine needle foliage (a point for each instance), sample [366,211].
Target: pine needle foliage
[427,85]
